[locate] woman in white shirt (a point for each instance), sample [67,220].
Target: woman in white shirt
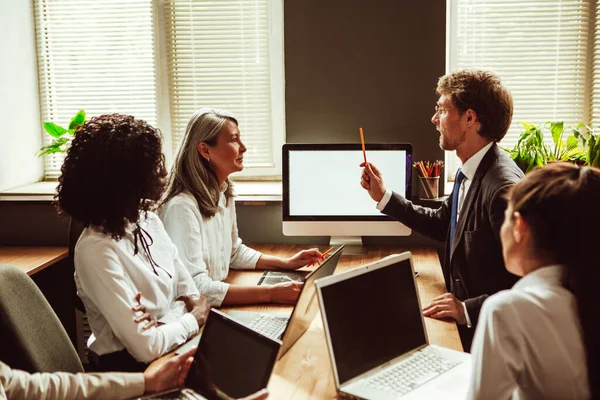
[111,178]
[198,212]
[541,339]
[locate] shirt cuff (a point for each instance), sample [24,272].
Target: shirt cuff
[466,314]
[246,258]
[215,298]
[136,385]
[190,323]
[384,200]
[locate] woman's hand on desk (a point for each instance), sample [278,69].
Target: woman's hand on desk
[285,293]
[302,258]
[199,308]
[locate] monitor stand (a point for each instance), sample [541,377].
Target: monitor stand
[354,244]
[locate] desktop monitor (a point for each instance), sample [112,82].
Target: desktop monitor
[322,195]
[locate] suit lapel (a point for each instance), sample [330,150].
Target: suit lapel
[472,194]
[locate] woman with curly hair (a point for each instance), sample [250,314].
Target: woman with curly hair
[199,214]
[113,174]
[541,339]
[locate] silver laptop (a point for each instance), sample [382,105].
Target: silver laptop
[290,329]
[377,340]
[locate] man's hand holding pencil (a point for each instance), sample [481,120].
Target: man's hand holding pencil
[371,179]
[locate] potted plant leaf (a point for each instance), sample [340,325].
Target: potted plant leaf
[60,141]
[531,151]
[590,142]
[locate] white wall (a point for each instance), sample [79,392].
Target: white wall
[20,125]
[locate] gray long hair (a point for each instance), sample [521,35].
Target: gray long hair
[191,172]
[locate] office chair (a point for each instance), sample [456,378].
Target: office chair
[31,335]
[75,229]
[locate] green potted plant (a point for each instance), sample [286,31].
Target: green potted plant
[590,142]
[531,151]
[60,142]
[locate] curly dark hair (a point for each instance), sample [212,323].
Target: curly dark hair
[113,172]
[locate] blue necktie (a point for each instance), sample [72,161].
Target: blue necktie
[457,181]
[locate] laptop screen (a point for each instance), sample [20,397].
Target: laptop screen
[307,306]
[233,358]
[373,318]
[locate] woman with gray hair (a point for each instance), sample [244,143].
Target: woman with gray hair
[198,212]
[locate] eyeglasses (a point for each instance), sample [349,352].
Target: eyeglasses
[439,109]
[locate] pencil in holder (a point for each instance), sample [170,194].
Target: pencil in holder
[429,187]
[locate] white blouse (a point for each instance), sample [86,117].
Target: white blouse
[528,343]
[207,246]
[108,276]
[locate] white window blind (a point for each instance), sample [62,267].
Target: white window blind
[97,56]
[595,108]
[539,48]
[219,54]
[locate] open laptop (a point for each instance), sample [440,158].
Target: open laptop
[376,336]
[289,329]
[232,361]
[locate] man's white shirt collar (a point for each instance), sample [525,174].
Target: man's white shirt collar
[470,166]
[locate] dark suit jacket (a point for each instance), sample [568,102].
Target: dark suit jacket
[473,267]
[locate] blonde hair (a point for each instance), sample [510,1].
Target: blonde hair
[191,172]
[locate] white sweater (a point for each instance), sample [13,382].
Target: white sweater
[208,246]
[108,277]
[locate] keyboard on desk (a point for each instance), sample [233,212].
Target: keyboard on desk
[269,325]
[411,373]
[177,394]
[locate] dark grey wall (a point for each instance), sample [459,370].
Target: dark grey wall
[348,64]
[351,64]
[370,64]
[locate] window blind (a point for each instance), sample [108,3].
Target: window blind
[97,56]
[595,87]
[539,48]
[219,55]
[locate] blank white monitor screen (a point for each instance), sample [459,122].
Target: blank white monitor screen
[321,182]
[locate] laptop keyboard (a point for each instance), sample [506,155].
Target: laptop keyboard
[177,395]
[269,325]
[411,373]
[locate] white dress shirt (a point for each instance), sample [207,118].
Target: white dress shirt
[528,343]
[108,277]
[208,246]
[469,168]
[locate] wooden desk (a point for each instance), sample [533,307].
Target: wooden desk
[305,371]
[56,283]
[31,259]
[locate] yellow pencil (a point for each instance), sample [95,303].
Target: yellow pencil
[362,141]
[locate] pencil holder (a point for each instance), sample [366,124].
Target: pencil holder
[429,187]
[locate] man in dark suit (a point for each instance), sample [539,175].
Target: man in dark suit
[473,112]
